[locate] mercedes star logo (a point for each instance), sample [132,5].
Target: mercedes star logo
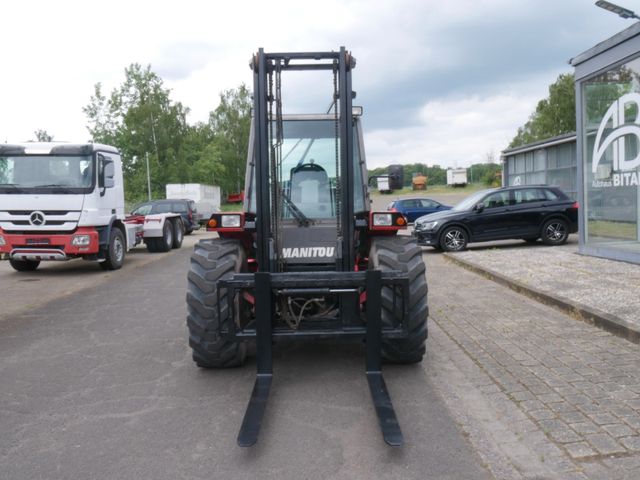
[37,219]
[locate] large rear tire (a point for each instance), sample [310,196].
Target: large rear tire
[211,261]
[403,254]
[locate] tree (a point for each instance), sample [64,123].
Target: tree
[230,123]
[555,115]
[43,136]
[140,119]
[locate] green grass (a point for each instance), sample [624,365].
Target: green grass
[611,229]
[231,207]
[432,189]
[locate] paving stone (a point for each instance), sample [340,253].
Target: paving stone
[604,444]
[572,416]
[584,428]
[633,421]
[580,450]
[603,418]
[632,443]
[550,398]
[544,414]
[529,405]
[618,430]
[565,436]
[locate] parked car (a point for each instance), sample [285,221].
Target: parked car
[412,208]
[528,212]
[186,208]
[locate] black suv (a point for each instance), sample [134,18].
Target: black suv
[529,212]
[186,208]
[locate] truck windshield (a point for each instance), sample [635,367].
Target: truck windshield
[46,174]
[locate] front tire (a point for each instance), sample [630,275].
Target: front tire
[555,232]
[402,253]
[114,256]
[454,239]
[24,265]
[211,261]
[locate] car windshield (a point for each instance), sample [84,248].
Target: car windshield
[471,200]
[46,172]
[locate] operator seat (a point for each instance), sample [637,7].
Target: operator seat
[310,184]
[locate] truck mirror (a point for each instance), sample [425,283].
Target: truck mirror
[109,173]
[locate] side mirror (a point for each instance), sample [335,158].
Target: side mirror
[479,207]
[106,173]
[109,173]
[396,177]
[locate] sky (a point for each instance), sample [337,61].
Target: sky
[441,82]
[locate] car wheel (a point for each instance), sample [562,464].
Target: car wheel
[454,239]
[555,232]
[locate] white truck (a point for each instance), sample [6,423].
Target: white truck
[206,197]
[383,184]
[60,201]
[457,177]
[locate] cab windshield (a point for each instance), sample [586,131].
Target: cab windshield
[46,174]
[307,173]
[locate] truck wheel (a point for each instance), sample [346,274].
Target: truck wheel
[114,256]
[212,260]
[165,243]
[178,232]
[403,254]
[151,245]
[24,265]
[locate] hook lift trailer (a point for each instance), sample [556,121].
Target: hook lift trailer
[307,258]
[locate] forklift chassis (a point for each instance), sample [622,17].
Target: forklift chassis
[354,281]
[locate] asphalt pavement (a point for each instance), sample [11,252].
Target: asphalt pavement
[99,384]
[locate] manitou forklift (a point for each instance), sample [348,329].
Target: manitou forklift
[307,259]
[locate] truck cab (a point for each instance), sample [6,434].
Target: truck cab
[60,201]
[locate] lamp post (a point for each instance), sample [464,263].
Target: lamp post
[613,8]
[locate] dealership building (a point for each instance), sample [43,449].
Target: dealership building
[599,165]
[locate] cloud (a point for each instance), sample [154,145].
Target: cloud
[482,61]
[451,132]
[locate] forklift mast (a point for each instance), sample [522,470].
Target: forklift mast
[265,66]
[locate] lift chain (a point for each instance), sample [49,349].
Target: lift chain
[336,96]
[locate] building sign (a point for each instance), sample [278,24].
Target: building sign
[622,173]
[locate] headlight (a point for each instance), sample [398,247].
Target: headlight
[230,221]
[426,225]
[81,240]
[382,219]
[3,242]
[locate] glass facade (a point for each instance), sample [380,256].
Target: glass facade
[610,105]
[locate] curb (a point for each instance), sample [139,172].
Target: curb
[589,315]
